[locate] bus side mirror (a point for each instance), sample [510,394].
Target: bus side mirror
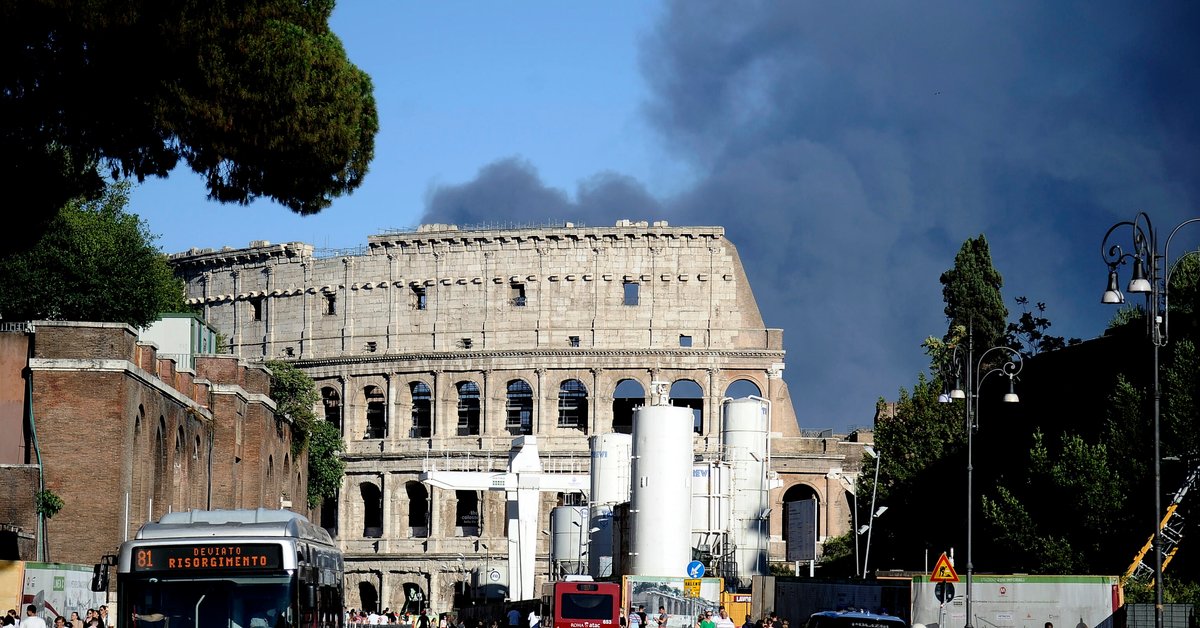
[100,577]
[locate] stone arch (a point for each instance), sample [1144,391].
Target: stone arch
[518,407]
[628,394]
[418,509]
[368,596]
[741,388]
[376,404]
[421,403]
[686,393]
[799,492]
[466,513]
[372,503]
[331,400]
[468,408]
[573,405]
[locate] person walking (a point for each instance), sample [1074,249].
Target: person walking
[31,618]
[723,620]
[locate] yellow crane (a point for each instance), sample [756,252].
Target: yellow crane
[1171,530]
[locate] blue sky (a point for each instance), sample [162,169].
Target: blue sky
[847,148]
[458,85]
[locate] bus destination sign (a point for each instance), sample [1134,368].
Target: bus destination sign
[198,557]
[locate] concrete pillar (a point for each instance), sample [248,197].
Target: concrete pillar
[385,494]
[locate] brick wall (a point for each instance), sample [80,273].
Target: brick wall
[116,437]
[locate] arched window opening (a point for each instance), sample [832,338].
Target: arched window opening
[741,389]
[418,509]
[627,396]
[270,468]
[329,515]
[333,406]
[801,493]
[466,513]
[368,595]
[687,394]
[159,491]
[468,409]
[372,501]
[376,415]
[422,410]
[518,408]
[573,405]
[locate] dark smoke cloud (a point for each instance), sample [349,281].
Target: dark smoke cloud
[850,148]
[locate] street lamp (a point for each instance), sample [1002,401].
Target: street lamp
[870,527]
[1146,258]
[1010,364]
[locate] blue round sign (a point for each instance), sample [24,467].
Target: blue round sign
[695,569]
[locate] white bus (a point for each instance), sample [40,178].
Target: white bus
[230,569]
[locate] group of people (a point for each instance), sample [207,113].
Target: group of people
[424,619]
[639,618]
[94,618]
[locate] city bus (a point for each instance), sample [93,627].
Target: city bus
[584,604]
[230,569]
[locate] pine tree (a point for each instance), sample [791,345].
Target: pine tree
[971,290]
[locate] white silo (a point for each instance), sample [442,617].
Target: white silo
[610,467]
[710,502]
[567,538]
[744,434]
[661,495]
[610,485]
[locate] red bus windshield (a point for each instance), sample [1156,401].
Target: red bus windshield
[586,604]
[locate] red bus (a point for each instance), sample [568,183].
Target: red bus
[577,604]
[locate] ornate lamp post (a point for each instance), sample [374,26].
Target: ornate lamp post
[1006,362]
[1152,277]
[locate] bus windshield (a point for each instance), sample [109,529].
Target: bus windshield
[585,606]
[228,602]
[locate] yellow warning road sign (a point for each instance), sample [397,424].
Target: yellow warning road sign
[943,571]
[691,587]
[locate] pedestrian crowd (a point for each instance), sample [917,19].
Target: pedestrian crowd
[424,619]
[93,618]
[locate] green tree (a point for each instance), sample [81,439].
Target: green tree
[325,466]
[257,97]
[295,395]
[971,290]
[95,263]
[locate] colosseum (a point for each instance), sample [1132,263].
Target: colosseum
[436,347]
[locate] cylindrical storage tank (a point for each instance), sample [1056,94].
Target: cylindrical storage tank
[491,580]
[660,501]
[610,467]
[710,500]
[601,542]
[744,433]
[568,536]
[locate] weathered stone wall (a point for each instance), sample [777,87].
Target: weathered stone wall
[441,308]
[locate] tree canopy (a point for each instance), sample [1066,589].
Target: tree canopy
[1063,483]
[94,263]
[258,97]
[295,395]
[971,290]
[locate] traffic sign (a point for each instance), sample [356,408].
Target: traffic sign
[691,587]
[695,569]
[943,591]
[943,571]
